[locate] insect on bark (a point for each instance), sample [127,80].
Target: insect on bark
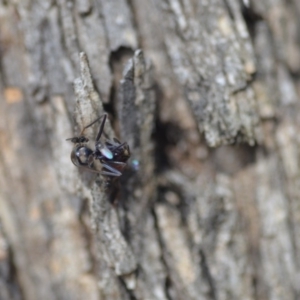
[112,154]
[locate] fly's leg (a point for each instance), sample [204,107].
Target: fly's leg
[110,170]
[101,126]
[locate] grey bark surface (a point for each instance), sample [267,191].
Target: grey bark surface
[206,94]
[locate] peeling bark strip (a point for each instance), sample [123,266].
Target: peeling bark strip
[104,218]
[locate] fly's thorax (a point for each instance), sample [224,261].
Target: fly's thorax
[122,153]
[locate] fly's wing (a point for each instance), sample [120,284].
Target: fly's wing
[106,153]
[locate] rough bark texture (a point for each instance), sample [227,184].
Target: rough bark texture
[209,206]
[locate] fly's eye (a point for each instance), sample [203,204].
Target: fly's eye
[83,154]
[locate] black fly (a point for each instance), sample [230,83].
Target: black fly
[112,154]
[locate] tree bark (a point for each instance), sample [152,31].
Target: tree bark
[206,94]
